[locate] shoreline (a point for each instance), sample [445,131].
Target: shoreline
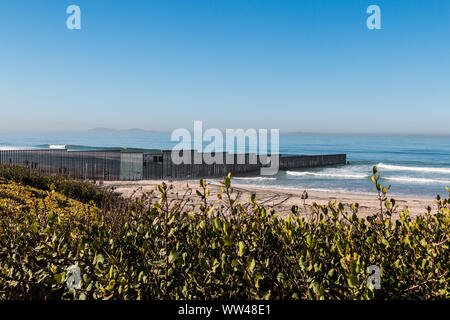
[279,198]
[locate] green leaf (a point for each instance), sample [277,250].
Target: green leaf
[34,228]
[227,182]
[252,265]
[228,241]
[58,277]
[99,259]
[173,256]
[280,277]
[226,227]
[315,286]
[331,272]
[241,249]
[352,280]
[218,223]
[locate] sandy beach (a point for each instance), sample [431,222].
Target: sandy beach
[280,199]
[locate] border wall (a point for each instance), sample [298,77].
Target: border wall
[296,162]
[76,164]
[113,165]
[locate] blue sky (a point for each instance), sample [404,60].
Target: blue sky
[161,64]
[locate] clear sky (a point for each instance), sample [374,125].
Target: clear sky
[161,64]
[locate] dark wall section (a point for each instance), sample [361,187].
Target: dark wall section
[76,164]
[117,165]
[296,162]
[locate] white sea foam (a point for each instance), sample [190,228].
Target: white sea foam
[327,175]
[416,169]
[13,148]
[406,179]
[56,146]
[254,178]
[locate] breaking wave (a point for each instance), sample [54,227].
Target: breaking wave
[418,180]
[327,175]
[416,169]
[254,178]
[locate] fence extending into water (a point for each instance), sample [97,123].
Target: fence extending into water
[110,165]
[296,162]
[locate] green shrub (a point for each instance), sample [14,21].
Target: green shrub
[161,251]
[82,191]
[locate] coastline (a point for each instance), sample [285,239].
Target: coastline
[279,198]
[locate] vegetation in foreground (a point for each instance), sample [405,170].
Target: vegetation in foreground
[151,248]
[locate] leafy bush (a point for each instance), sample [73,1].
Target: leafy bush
[160,251]
[79,190]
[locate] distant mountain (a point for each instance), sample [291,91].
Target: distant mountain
[109,130]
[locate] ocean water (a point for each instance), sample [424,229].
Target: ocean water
[412,165]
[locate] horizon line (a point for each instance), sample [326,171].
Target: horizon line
[104,130]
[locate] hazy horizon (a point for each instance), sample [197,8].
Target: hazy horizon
[142,131]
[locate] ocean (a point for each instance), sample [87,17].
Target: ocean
[412,165]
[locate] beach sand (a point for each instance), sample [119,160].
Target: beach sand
[281,200]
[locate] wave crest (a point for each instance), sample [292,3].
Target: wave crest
[57,146]
[405,179]
[416,169]
[327,175]
[254,178]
